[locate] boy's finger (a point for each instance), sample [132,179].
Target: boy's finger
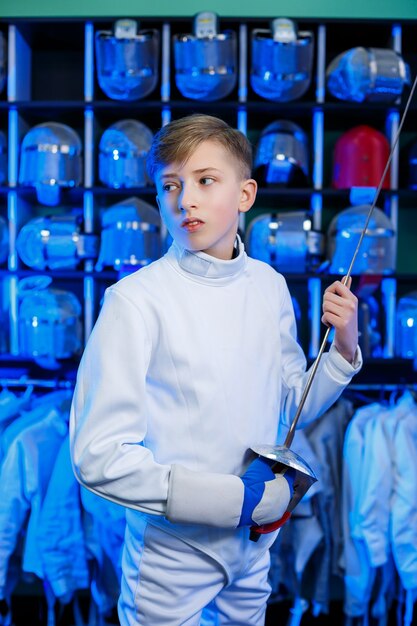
[348,282]
[338,287]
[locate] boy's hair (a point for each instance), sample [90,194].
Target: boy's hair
[176,141]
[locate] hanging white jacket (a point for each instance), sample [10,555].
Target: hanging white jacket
[326,437]
[10,407]
[24,477]
[106,523]
[11,404]
[109,521]
[359,574]
[306,533]
[404,497]
[60,532]
[372,520]
[30,414]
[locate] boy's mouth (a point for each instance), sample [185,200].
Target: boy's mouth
[192,224]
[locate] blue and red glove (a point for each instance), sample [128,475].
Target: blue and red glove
[266,495]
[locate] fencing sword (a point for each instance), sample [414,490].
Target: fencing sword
[281,455]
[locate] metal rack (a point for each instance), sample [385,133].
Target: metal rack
[25,381]
[19,104]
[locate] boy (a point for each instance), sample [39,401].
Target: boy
[192,362]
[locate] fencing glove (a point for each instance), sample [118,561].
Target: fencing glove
[266,495]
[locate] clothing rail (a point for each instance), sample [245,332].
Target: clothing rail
[24,381]
[382,387]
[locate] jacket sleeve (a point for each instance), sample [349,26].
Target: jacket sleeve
[332,376]
[108,428]
[108,415]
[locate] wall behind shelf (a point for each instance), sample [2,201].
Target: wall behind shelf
[372,9]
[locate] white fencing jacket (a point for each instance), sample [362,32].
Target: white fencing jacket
[380,505]
[404,496]
[359,574]
[24,477]
[105,524]
[327,436]
[60,532]
[193,360]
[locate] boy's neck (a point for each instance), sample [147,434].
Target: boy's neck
[226,256]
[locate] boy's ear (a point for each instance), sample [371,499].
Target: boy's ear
[248,194]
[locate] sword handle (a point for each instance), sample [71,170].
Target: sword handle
[257,531]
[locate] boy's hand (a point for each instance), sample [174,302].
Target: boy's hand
[340,310]
[266,495]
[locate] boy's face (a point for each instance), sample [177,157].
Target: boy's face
[200,200]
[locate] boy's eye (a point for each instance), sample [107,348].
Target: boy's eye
[168,187]
[206,180]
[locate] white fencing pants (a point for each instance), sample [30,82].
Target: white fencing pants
[167,582]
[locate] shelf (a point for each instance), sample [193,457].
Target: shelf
[387,371]
[252,106]
[374,371]
[113,275]
[393,371]
[21,367]
[327,279]
[270,191]
[328,193]
[123,191]
[60,53]
[107,275]
[45,105]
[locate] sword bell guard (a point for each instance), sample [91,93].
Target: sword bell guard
[283,457]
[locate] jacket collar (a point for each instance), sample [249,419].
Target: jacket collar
[200,264]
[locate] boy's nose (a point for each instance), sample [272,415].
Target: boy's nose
[187,199]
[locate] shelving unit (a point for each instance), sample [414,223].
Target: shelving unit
[52,77]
